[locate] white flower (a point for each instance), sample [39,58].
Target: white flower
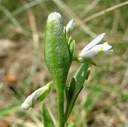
[94,48]
[70,25]
[39,94]
[30,100]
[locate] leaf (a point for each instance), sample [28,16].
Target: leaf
[69,90]
[76,86]
[46,117]
[92,98]
[9,109]
[71,45]
[72,124]
[109,89]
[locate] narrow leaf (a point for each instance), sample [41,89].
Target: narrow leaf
[92,98]
[46,117]
[9,109]
[76,86]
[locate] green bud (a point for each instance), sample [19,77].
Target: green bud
[72,47]
[57,55]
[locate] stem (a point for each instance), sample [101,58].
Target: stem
[60,96]
[106,11]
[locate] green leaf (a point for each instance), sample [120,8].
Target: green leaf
[46,117]
[9,109]
[75,87]
[92,98]
[72,47]
[69,91]
[72,124]
[110,89]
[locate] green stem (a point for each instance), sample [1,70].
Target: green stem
[60,95]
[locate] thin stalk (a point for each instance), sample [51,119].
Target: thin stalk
[60,96]
[106,11]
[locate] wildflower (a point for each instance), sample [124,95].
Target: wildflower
[37,95]
[94,48]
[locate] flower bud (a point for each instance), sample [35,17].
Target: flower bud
[37,95]
[56,50]
[70,26]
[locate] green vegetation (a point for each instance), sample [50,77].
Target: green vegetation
[103,102]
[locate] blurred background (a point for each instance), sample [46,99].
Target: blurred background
[104,100]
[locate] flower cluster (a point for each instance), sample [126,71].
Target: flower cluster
[88,52]
[93,47]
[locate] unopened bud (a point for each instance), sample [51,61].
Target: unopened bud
[37,95]
[70,26]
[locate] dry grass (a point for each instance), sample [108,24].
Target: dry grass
[103,103]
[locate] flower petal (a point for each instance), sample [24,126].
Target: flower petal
[29,100]
[70,25]
[106,46]
[89,54]
[93,43]
[32,98]
[37,95]
[96,49]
